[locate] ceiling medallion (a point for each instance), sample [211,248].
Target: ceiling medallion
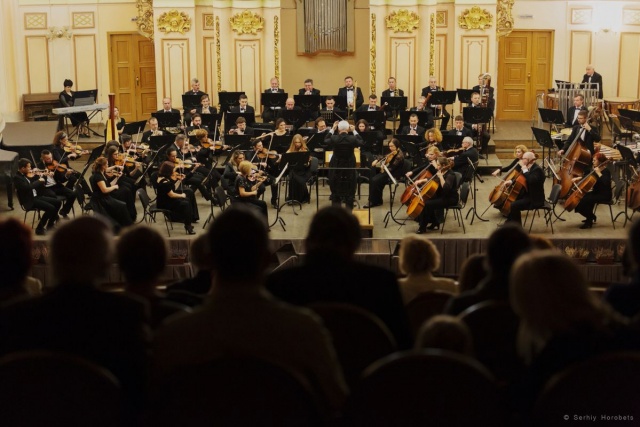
[403,21]
[246,22]
[174,22]
[475,18]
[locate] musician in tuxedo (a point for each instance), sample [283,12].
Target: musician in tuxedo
[477,129]
[241,128]
[484,88]
[433,87]
[600,193]
[592,77]
[153,130]
[353,94]
[166,107]
[423,107]
[413,128]
[392,90]
[461,161]
[196,123]
[268,115]
[343,182]
[587,134]
[28,189]
[205,106]
[308,89]
[330,107]
[532,195]
[572,114]
[195,90]
[244,106]
[458,128]
[372,105]
[289,105]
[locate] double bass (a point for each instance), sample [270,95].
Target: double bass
[574,162]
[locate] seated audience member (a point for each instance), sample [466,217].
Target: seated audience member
[419,258]
[330,273]
[503,248]
[471,272]
[625,298]
[561,321]
[199,285]
[75,317]
[444,332]
[15,261]
[142,258]
[240,317]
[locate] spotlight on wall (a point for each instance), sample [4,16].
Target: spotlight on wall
[58,33]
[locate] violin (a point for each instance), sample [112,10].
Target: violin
[74,149]
[386,159]
[453,152]
[267,154]
[39,172]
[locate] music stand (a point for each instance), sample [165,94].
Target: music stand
[191,101]
[450,142]
[394,104]
[293,160]
[134,128]
[629,159]
[309,104]
[167,120]
[543,138]
[464,95]
[476,116]
[474,208]
[292,117]
[444,98]
[156,142]
[631,114]
[273,101]
[330,117]
[228,100]
[552,117]
[370,139]
[280,143]
[230,119]
[409,144]
[423,117]
[374,118]
[341,102]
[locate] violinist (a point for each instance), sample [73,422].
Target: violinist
[54,180]
[231,170]
[600,193]
[299,174]
[461,161]
[394,161]
[478,130]
[281,128]
[205,150]
[133,165]
[584,132]
[170,198]
[192,179]
[153,130]
[60,142]
[518,152]
[267,162]
[126,191]
[532,195]
[241,128]
[102,199]
[446,195]
[433,137]
[246,186]
[458,127]
[28,184]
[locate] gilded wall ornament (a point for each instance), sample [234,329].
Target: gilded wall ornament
[372,52]
[403,21]
[247,22]
[174,22]
[475,18]
[505,18]
[432,46]
[144,20]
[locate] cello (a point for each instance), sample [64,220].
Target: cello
[633,192]
[410,191]
[424,193]
[583,187]
[574,162]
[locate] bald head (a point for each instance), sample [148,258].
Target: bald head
[529,156]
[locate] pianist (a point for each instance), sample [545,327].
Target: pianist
[80,120]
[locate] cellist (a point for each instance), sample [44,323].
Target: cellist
[587,134]
[532,196]
[446,195]
[600,193]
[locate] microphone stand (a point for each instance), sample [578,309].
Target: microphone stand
[474,208]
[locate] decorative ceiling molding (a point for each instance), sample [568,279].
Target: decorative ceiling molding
[247,22]
[174,21]
[403,21]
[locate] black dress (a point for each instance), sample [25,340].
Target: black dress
[298,176]
[180,208]
[446,195]
[66,100]
[102,203]
[600,193]
[243,181]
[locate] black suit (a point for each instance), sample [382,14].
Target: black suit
[461,163]
[445,114]
[313,92]
[359,99]
[491,102]
[236,109]
[533,197]
[342,182]
[397,92]
[49,205]
[419,131]
[572,118]
[484,137]
[429,123]
[326,278]
[268,115]
[588,137]
[464,132]
[213,110]
[596,78]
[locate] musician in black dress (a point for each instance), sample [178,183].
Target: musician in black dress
[81,120]
[231,170]
[584,131]
[27,186]
[600,193]
[196,173]
[433,137]
[342,182]
[268,164]
[446,195]
[247,188]
[431,154]
[533,195]
[518,152]
[171,199]
[299,173]
[126,191]
[102,200]
[394,161]
[367,150]
[136,160]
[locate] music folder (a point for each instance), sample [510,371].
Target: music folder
[443,97]
[450,142]
[476,115]
[464,95]
[167,120]
[191,101]
[273,101]
[156,142]
[210,120]
[394,103]
[308,102]
[543,137]
[134,128]
[551,116]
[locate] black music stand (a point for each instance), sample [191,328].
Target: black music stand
[191,101]
[451,142]
[210,121]
[444,98]
[294,159]
[464,95]
[341,102]
[409,145]
[330,117]
[632,114]
[280,143]
[374,118]
[310,104]
[292,117]
[394,104]
[543,138]
[167,120]
[628,159]
[228,100]
[134,128]
[551,117]
[230,119]
[474,208]
[273,101]
[477,116]
[370,139]
[423,117]
[156,142]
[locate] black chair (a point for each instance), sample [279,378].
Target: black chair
[234,391]
[457,209]
[616,192]
[548,209]
[426,388]
[150,210]
[85,207]
[45,388]
[424,307]
[219,200]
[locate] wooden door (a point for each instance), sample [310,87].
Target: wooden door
[133,75]
[524,72]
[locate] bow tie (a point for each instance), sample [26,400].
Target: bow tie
[350,88]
